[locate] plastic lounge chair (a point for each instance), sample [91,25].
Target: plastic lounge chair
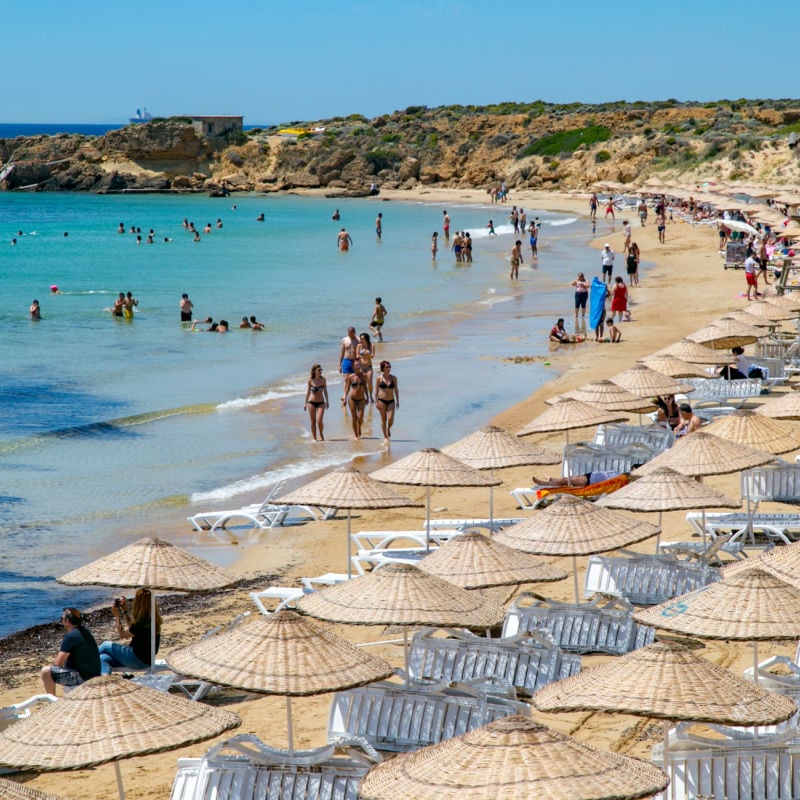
[244,768]
[710,553]
[646,579]
[616,435]
[762,529]
[733,764]
[720,390]
[525,661]
[399,718]
[605,625]
[787,683]
[11,714]
[778,482]
[461,525]
[383,540]
[581,458]
[286,595]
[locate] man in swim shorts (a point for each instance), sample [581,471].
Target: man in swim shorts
[186,308]
[576,480]
[378,318]
[347,352]
[446,225]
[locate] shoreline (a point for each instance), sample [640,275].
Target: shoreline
[685,288]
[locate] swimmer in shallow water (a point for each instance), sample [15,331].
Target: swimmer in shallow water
[36,312]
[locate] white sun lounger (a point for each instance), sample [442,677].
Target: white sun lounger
[734,765]
[383,540]
[525,661]
[616,435]
[770,528]
[13,713]
[481,522]
[286,595]
[605,625]
[646,579]
[244,768]
[719,390]
[397,718]
[787,682]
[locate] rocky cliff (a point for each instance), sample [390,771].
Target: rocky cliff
[535,145]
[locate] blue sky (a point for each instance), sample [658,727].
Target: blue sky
[96,62]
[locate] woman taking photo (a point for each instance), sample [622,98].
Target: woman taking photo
[316,401]
[365,353]
[581,294]
[387,398]
[135,626]
[355,397]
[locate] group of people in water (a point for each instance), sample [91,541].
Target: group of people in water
[360,386]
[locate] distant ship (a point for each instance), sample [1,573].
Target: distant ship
[142,115]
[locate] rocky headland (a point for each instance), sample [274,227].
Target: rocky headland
[536,145]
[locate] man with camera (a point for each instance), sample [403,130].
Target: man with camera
[78,658]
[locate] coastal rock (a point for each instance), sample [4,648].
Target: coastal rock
[167,140]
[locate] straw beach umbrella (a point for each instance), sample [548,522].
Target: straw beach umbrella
[645,382]
[725,333]
[673,366]
[155,564]
[474,561]
[667,681]
[431,467]
[694,353]
[347,488]
[512,757]
[746,604]
[494,448]
[701,454]
[575,527]
[664,489]
[401,594]
[761,432]
[787,406]
[105,720]
[281,654]
[568,414]
[611,397]
[9,790]
[768,312]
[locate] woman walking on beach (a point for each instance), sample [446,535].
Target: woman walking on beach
[365,353]
[316,401]
[619,298]
[137,627]
[355,397]
[387,398]
[632,264]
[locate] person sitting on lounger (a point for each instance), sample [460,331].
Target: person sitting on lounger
[689,423]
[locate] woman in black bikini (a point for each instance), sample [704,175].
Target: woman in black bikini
[316,400]
[387,398]
[355,396]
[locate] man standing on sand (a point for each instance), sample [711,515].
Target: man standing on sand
[186,308]
[78,657]
[516,259]
[446,226]
[607,261]
[750,267]
[661,225]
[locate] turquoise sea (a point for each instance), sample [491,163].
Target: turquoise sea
[112,429]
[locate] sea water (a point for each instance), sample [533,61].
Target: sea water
[114,429]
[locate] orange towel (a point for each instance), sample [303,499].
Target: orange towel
[592,490]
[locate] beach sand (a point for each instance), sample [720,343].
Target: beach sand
[686,289]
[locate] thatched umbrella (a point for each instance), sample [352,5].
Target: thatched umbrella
[475,561]
[512,757]
[575,527]
[347,488]
[645,382]
[155,564]
[105,720]
[280,654]
[611,397]
[725,333]
[493,448]
[694,353]
[786,406]
[568,414]
[9,790]
[667,681]
[673,366]
[758,431]
[431,467]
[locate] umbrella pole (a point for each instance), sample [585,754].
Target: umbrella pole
[152,631]
[405,654]
[658,535]
[427,519]
[491,505]
[349,551]
[120,787]
[755,662]
[703,519]
[665,754]
[575,578]
[289,726]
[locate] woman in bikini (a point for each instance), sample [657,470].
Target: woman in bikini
[355,396]
[316,400]
[387,398]
[365,353]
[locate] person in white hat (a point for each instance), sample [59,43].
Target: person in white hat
[607,260]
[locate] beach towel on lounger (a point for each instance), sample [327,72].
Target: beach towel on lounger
[592,490]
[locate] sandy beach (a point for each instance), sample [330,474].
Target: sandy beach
[686,288]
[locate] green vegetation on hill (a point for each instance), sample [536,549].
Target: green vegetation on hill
[566,141]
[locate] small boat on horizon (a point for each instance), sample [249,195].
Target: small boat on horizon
[142,115]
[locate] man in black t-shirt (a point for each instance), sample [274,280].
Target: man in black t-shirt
[78,658]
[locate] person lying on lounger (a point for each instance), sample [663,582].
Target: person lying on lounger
[575,480]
